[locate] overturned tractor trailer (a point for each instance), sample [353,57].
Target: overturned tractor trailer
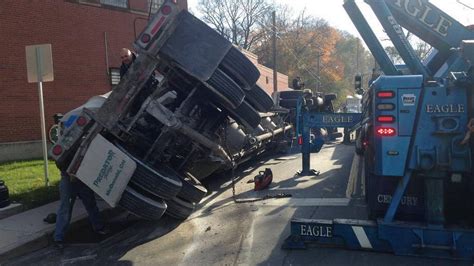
[146,145]
[419,184]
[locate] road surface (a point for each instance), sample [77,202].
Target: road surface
[222,232]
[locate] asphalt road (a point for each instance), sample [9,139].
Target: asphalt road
[222,232]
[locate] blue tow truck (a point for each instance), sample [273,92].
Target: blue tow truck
[419,182]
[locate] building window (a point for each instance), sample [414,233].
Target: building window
[114,76]
[117,3]
[155,5]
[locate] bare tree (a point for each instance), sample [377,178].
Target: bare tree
[240,21]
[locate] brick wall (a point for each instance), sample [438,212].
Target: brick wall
[266,75]
[266,79]
[76,30]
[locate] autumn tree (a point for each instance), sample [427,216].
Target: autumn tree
[306,46]
[237,20]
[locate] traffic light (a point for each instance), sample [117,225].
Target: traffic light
[358,84]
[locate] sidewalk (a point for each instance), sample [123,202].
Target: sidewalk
[27,230]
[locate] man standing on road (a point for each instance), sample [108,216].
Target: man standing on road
[69,189]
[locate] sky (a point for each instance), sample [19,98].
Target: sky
[334,13]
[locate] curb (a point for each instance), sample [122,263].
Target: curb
[43,240]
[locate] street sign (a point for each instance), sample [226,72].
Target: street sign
[39,63]
[39,66]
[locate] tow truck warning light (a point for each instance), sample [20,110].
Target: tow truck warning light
[385,94]
[386,119]
[386,131]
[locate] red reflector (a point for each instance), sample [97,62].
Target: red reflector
[166,10]
[145,38]
[57,150]
[386,119]
[157,26]
[386,131]
[81,121]
[385,94]
[300,140]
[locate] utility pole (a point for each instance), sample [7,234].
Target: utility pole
[357,57]
[318,82]
[275,78]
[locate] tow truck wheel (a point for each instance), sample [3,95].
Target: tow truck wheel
[246,115]
[179,208]
[226,89]
[192,190]
[259,99]
[240,68]
[142,206]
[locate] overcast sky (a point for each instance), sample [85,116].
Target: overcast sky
[334,13]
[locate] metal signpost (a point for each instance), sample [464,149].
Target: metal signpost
[39,63]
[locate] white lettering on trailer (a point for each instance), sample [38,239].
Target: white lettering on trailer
[406,200]
[317,230]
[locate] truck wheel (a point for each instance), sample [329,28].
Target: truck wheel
[291,94]
[179,208]
[246,115]
[259,99]
[224,87]
[163,182]
[142,206]
[240,68]
[192,190]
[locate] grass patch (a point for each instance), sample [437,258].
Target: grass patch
[25,181]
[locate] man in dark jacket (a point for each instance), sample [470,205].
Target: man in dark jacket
[127,58]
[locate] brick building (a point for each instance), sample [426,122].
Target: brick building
[266,75]
[86,37]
